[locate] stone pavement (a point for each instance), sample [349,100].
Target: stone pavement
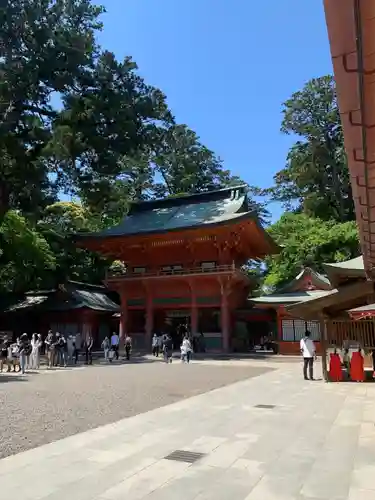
[316,442]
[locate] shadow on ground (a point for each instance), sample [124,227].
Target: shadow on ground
[247,356]
[9,377]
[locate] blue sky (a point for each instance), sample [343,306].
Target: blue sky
[226,66]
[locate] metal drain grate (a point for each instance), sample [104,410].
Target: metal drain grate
[266,407]
[185,456]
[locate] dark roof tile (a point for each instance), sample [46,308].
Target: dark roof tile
[184,212]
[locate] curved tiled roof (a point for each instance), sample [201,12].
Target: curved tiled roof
[339,271]
[289,298]
[355,264]
[77,296]
[317,279]
[186,212]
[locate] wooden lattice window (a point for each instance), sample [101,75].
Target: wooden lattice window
[293,330]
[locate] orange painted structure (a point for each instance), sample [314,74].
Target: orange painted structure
[351,29]
[290,329]
[183,259]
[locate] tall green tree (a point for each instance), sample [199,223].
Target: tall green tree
[26,259]
[175,163]
[43,45]
[315,179]
[74,119]
[60,221]
[185,165]
[49,56]
[110,115]
[308,241]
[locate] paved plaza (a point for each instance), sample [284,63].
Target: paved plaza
[306,441]
[43,407]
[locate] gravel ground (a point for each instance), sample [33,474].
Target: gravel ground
[41,408]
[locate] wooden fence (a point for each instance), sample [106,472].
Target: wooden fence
[341,332]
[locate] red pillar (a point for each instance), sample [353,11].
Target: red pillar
[194,319]
[123,319]
[225,321]
[149,321]
[194,310]
[279,325]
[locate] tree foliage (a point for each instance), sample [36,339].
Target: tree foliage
[26,258]
[49,55]
[75,120]
[61,220]
[308,241]
[314,187]
[186,165]
[315,179]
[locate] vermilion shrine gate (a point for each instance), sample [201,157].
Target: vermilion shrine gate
[183,259]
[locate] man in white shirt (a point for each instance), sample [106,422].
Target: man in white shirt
[307,348]
[115,341]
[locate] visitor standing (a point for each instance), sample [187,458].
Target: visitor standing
[105,347]
[128,346]
[89,343]
[77,347]
[61,349]
[70,345]
[28,355]
[155,345]
[160,344]
[4,353]
[36,344]
[115,341]
[186,350]
[24,351]
[308,352]
[167,348]
[50,349]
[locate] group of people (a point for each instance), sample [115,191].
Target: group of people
[61,350]
[351,365]
[20,355]
[111,347]
[24,354]
[164,344]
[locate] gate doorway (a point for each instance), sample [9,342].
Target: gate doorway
[178,324]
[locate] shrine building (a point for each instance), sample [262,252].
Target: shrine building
[69,308]
[183,261]
[290,328]
[345,312]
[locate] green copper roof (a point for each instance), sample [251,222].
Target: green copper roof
[94,300]
[29,302]
[355,264]
[75,296]
[290,294]
[317,279]
[339,271]
[289,298]
[213,207]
